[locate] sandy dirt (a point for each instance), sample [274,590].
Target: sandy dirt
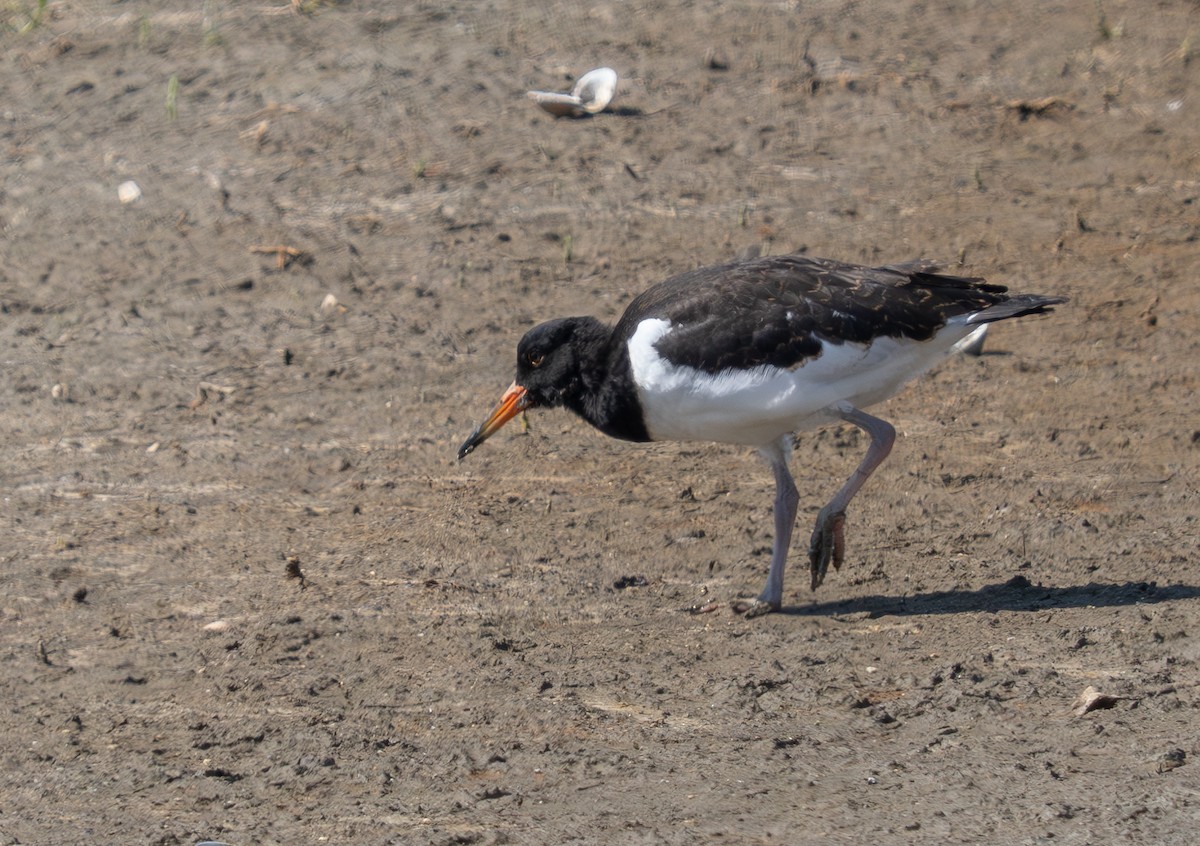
[249,594]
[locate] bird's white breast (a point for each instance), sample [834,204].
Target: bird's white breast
[761,404]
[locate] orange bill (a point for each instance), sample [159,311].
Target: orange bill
[514,401]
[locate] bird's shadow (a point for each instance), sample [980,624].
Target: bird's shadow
[1017,594]
[619,111]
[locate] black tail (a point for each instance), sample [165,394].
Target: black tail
[1016,306]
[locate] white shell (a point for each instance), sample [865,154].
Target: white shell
[557,104]
[595,89]
[592,93]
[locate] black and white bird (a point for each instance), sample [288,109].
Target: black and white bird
[751,352]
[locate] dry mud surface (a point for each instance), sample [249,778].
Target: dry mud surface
[499,650]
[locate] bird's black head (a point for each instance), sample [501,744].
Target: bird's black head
[555,362]
[550,360]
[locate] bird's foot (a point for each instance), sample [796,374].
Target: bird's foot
[751,608]
[828,545]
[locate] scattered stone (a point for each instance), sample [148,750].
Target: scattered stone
[285,256]
[630,581]
[208,390]
[1169,760]
[1040,107]
[292,570]
[129,192]
[217,627]
[1093,700]
[715,59]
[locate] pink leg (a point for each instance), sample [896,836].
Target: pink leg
[787,500]
[828,545]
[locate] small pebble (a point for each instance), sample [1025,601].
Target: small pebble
[1092,700]
[1169,760]
[217,626]
[129,192]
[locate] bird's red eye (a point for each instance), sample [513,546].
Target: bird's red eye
[535,359]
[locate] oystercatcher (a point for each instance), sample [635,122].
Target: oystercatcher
[751,352]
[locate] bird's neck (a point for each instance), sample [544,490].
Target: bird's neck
[607,396]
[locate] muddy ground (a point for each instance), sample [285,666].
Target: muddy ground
[249,594]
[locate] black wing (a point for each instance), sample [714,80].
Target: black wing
[778,310]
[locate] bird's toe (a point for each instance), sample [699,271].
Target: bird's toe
[828,546]
[750,608]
